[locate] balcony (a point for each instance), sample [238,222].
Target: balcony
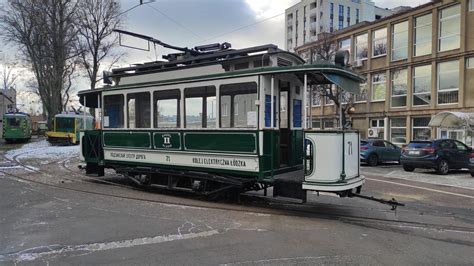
[313,26]
[289,22]
[313,12]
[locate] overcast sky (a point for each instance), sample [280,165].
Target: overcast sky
[195,22]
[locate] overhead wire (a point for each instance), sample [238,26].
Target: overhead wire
[238,29]
[176,22]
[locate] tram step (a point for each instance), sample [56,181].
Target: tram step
[289,189]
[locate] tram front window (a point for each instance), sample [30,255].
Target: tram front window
[65,124]
[200,107]
[237,103]
[13,122]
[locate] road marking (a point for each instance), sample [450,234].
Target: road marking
[423,188]
[395,174]
[35,253]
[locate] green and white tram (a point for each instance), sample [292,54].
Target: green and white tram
[227,119]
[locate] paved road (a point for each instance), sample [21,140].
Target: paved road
[53,226]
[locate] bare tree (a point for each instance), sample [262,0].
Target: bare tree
[46,33]
[8,75]
[325,51]
[97,19]
[326,48]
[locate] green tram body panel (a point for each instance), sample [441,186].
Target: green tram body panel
[229,152]
[16,127]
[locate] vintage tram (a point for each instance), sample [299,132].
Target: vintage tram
[211,121]
[16,127]
[66,127]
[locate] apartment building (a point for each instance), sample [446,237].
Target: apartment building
[417,64]
[306,19]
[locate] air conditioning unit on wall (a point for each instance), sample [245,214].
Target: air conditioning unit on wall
[373,132]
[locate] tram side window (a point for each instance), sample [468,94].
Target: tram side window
[200,107]
[237,103]
[113,111]
[166,108]
[138,110]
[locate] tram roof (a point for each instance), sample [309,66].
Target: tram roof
[74,115]
[320,73]
[205,59]
[17,114]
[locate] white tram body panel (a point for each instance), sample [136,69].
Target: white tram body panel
[332,161]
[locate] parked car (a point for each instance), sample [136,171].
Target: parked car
[374,151]
[441,155]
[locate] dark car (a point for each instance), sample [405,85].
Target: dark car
[441,155]
[374,151]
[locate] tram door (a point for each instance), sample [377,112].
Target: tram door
[284,123]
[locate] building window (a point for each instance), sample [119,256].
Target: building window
[327,100]
[471,5]
[341,17]
[398,131]
[357,15]
[377,123]
[422,85]
[399,88]
[449,28]
[400,41]
[345,45]
[448,82]
[361,47]
[316,123]
[378,87]
[200,107]
[316,97]
[379,42]
[328,124]
[331,17]
[470,62]
[422,35]
[420,128]
[348,16]
[362,97]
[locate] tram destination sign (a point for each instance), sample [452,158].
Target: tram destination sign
[217,161]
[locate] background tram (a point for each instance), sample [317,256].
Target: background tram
[210,122]
[66,127]
[16,127]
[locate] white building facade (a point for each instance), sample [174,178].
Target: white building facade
[306,19]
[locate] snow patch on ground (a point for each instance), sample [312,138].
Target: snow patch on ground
[43,150]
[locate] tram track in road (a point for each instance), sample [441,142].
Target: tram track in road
[270,207]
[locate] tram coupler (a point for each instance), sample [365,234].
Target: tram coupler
[393,202]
